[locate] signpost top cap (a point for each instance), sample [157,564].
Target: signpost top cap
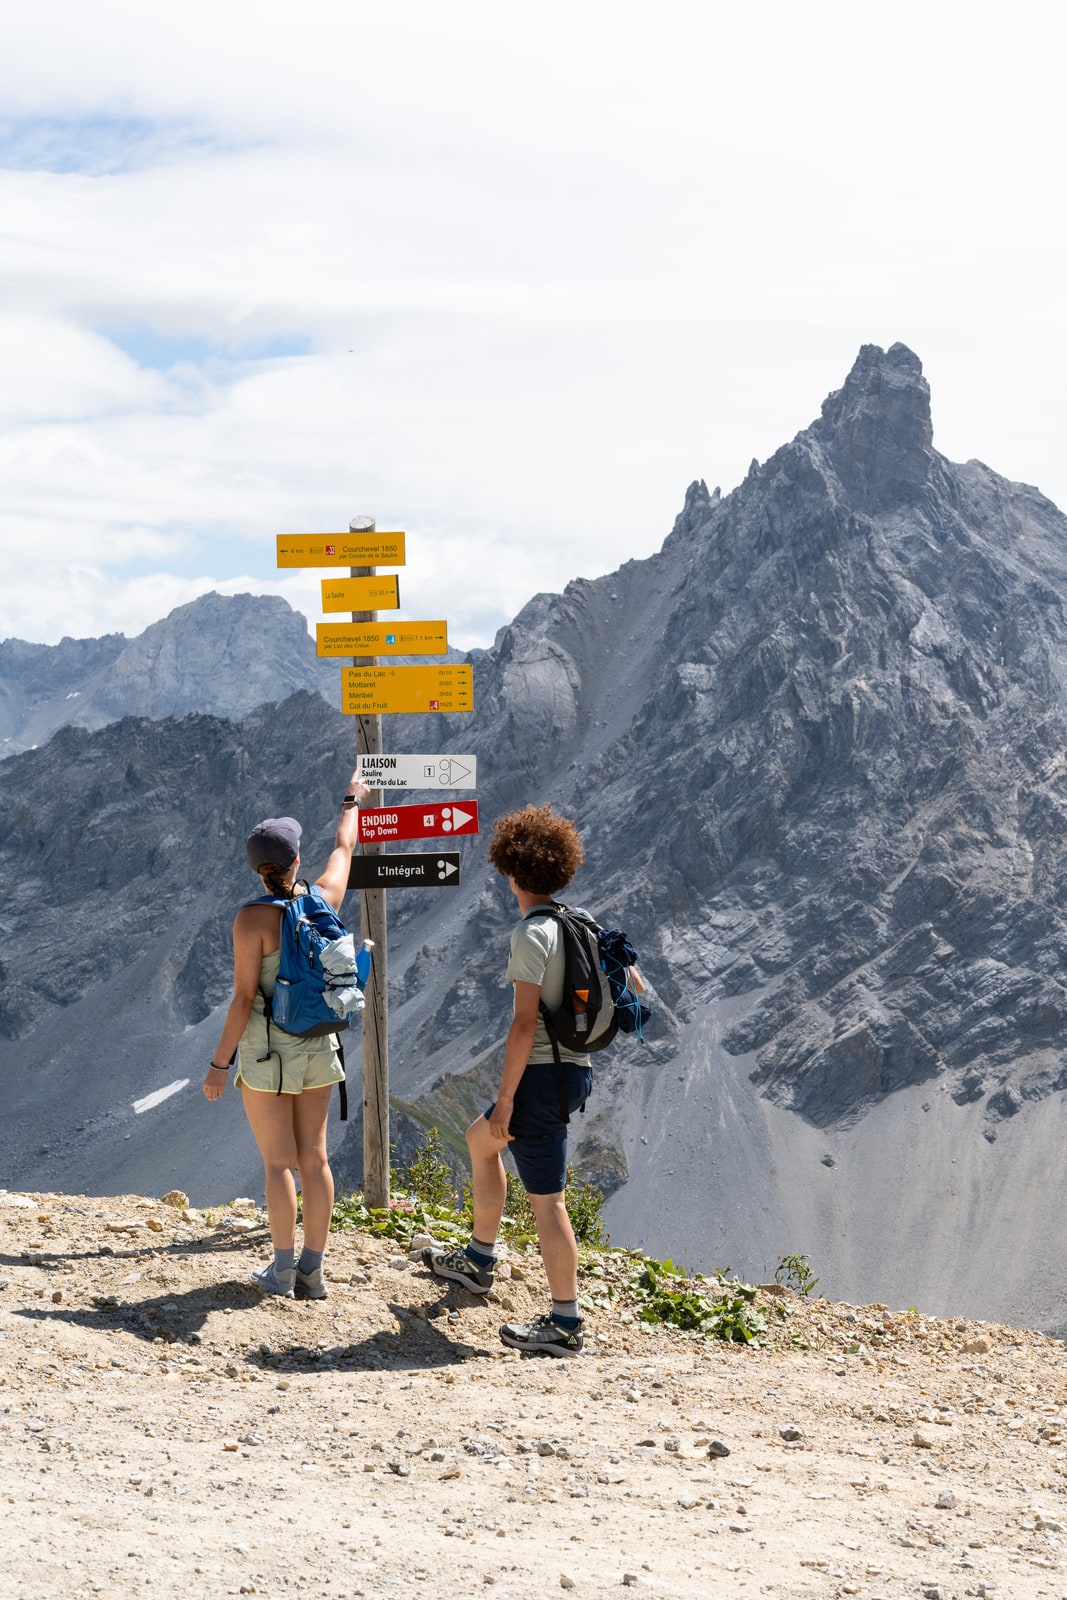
[361,525]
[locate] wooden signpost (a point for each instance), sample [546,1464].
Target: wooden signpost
[368,690]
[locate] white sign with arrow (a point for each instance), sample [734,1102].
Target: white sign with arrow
[419,772]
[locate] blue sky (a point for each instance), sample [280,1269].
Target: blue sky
[509,281]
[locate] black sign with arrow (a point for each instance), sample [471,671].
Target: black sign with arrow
[435,870]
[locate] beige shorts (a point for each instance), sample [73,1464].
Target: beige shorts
[302,1063]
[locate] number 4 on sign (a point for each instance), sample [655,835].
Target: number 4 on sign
[418,822]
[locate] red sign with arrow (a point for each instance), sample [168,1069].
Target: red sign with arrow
[418,822]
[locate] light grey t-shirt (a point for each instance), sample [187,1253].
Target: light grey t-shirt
[537,957]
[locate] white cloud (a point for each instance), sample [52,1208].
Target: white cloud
[57,372]
[548,270]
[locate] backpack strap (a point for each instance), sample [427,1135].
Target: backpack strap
[267,1017]
[551,909]
[300,888]
[342,1092]
[560,1074]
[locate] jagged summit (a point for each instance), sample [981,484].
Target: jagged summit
[876,429]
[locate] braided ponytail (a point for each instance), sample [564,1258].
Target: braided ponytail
[276,879]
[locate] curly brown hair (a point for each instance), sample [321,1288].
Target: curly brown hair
[540,850]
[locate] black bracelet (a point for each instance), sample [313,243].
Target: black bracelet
[216,1068]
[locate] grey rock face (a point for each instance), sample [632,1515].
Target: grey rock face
[816,748]
[40,685]
[129,842]
[877,431]
[218,655]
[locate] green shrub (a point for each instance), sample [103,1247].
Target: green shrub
[794,1272]
[585,1204]
[428,1174]
[665,1296]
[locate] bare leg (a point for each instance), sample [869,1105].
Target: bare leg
[270,1116]
[316,1179]
[559,1249]
[489,1184]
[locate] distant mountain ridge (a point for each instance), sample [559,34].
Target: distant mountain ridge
[816,748]
[222,656]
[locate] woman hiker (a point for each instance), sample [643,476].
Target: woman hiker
[289,1127]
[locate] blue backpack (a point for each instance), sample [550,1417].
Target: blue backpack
[321,975]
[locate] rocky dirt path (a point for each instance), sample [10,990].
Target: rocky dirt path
[165,1432]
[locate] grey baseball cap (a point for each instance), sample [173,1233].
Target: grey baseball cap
[276,839]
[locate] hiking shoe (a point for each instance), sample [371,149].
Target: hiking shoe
[543,1337]
[457,1265]
[267,1281]
[310,1285]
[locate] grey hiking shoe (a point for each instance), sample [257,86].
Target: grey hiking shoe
[543,1337]
[310,1285]
[267,1281]
[457,1265]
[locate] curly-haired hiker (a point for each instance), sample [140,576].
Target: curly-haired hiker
[289,1125]
[538,852]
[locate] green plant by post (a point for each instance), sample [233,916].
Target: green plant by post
[794,1272]
[428,1174]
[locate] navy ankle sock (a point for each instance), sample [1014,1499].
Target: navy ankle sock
[283,1260]
[310,1261]
[481,1254]
[565,1315]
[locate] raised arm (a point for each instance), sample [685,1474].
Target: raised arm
[334,881]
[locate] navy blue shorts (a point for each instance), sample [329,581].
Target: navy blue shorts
[539,1145]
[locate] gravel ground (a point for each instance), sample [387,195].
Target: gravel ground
[164,1431]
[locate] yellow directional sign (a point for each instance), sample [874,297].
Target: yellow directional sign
[340,550]
[361,594]
[382,638]
[369,691]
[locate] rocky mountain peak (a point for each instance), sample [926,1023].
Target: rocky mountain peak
[876,430]
[698,503]
[221,654]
